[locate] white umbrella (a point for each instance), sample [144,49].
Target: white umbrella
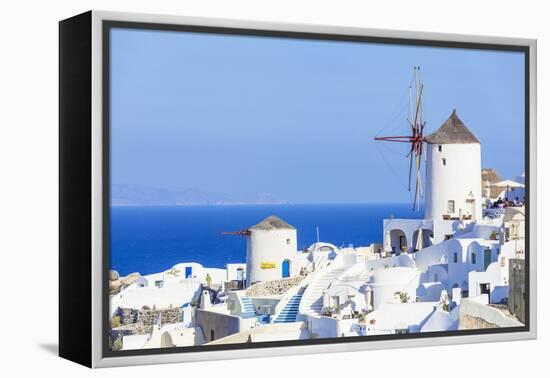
[368,298]
[419,240]
[508,184]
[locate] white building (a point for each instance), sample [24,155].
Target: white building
[174,287]
[236,272]
[458,248]
[453,190]
[271,248]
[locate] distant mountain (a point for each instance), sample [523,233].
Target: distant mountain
[138,195]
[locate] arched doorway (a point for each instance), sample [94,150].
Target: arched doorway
[398,241]
[286,268]
[166,340]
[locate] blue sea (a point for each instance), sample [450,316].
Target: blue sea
[153,239]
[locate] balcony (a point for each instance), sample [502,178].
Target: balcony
[455,218]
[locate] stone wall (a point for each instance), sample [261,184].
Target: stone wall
[234,285]
[167,316]
[141,321]
[276,287]
[127,315]
[472,322]
[117,283]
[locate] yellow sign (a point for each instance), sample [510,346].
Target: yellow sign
[268,265]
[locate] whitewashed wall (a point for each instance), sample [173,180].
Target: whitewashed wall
[386,282]
[453,181]
[161,297]
[269,246]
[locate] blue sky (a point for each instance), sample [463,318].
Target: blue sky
[297,118]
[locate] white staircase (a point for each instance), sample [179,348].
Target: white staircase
[312,300]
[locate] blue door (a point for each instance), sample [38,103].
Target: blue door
[486,259]
[188,271]
[183,311]
[286,268]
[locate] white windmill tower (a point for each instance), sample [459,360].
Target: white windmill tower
[271,249]
[451,189]
[453,172]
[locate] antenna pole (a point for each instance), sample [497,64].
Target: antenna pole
[317,228]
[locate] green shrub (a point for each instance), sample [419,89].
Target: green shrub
[117,344]
[403,297]
[115,322]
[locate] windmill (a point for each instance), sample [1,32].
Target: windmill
[416,137]
[244,233]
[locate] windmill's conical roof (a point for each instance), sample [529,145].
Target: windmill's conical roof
[272,222]
[453,131]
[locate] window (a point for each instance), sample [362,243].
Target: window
[240,274]
[436,277]
[448,236]
[455,257]
[158,283]
[440,148]
[444,161]
[450,206]
[474,258]
[288,241]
